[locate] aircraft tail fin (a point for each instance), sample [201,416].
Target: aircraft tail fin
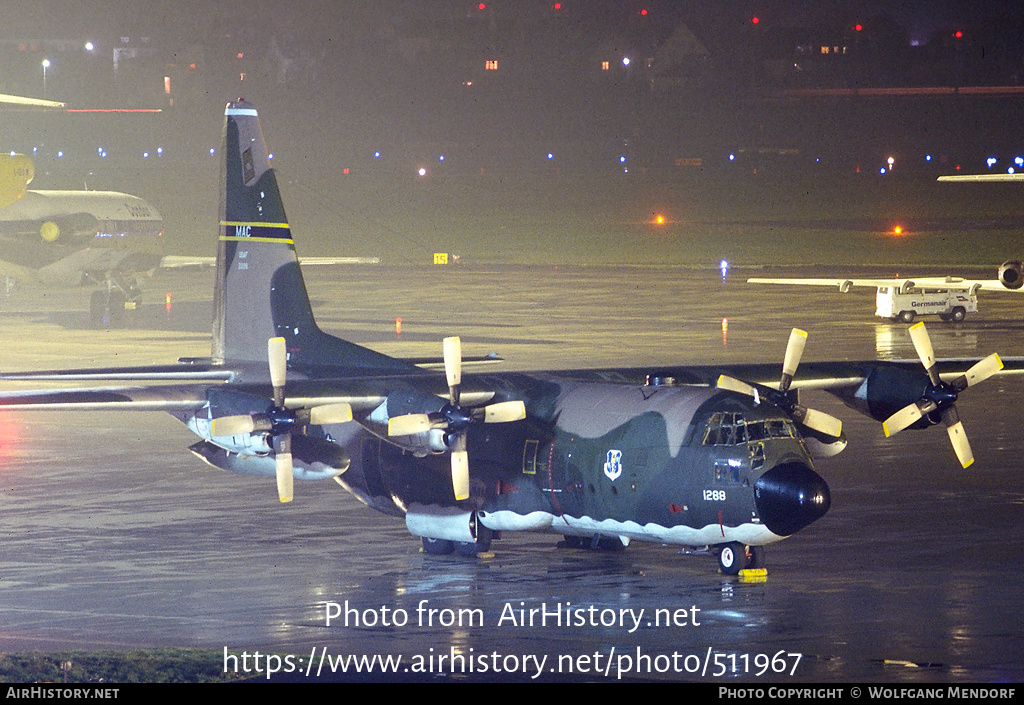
[260,293]
[16,173]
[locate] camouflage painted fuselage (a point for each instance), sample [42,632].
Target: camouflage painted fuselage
[682,465]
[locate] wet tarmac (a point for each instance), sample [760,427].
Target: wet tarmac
[115,536]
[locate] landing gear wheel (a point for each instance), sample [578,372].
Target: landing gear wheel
[470,549]
[906,317]
[732,558]
[606,543]
[106,309]
[755,557]
[957,314]
[437,547]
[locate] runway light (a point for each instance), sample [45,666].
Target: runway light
[422,171]
[898,230]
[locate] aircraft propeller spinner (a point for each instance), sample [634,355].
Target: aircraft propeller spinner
[815,420]
[454,420]
[941,396]
[279,421]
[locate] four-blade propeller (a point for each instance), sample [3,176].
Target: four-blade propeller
[816,420]
[454,420]
[941,396]
[280,421]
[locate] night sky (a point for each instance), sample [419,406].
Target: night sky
[370,94]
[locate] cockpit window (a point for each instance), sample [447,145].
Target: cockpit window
[725,429]
[729,429]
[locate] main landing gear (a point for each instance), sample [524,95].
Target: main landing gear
[114,305]
[443,547]
[734,557]
[597,542]
[468,549]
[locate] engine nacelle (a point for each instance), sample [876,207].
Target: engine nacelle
[1011,274]
[422,444]
[430,442]
[245,443]
[886,390]
[312,459]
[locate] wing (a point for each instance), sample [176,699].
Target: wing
[156,398]
[844,285]
[982,177]
[184,261]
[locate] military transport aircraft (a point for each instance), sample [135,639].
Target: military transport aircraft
[104,239]
[690,456]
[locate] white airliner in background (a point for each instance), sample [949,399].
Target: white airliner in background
[103,239]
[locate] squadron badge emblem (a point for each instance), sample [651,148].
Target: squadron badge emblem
[613,466]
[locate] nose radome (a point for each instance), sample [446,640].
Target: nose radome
[789,497]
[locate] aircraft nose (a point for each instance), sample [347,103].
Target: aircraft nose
[789,497]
